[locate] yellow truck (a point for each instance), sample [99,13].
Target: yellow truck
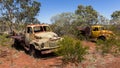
[96,32]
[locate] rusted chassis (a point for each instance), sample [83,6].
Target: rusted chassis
[20,41]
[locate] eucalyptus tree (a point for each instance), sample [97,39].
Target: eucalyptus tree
[103,20]
[115,17]
[87,14]
[19,11]
[61,23]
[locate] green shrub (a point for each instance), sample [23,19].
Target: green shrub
[71,50]
[109,46]
[5,41]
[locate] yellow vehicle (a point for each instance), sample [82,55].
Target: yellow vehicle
[100,32]
[97,32]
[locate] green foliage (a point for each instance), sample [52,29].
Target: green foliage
[109,46]
[102,20]
[116,14]
[62,23]
[67,23]
[19,11]
[115,17]
[115,29]
[71,50]
[78,34]
[87,13]
[5,41]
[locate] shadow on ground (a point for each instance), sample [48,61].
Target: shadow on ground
[38,54]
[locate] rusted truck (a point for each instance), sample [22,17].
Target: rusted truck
[36,37]
[95,32]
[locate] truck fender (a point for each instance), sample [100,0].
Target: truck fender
[36,45]
[102,38]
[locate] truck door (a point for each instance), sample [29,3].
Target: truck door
[95,32]
[28,34]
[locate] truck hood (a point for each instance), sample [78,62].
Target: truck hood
[107,31]
[47,35]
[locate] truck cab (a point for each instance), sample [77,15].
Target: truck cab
[99,32]
[38,37]
[96,32]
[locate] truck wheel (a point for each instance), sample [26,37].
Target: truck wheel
[102,38]
[32,50]
[15,42]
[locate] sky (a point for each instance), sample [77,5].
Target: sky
[51,8]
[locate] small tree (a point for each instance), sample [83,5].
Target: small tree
[19,11]
[71,50]
[87,14]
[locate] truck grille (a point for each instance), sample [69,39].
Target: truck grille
[53,44]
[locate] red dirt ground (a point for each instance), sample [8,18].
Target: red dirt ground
[12,58]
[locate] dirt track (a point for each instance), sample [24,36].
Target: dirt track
[19,59]
[12,58]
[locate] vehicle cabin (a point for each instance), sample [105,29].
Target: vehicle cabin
[37,28]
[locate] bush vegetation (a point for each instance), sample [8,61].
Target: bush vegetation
[111,46]
[4,41]
[71,50]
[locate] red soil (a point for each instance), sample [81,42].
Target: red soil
[12,58]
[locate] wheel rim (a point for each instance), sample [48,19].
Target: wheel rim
[32,50]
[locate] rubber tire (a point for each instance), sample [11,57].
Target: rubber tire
[32,51]
[102,38]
